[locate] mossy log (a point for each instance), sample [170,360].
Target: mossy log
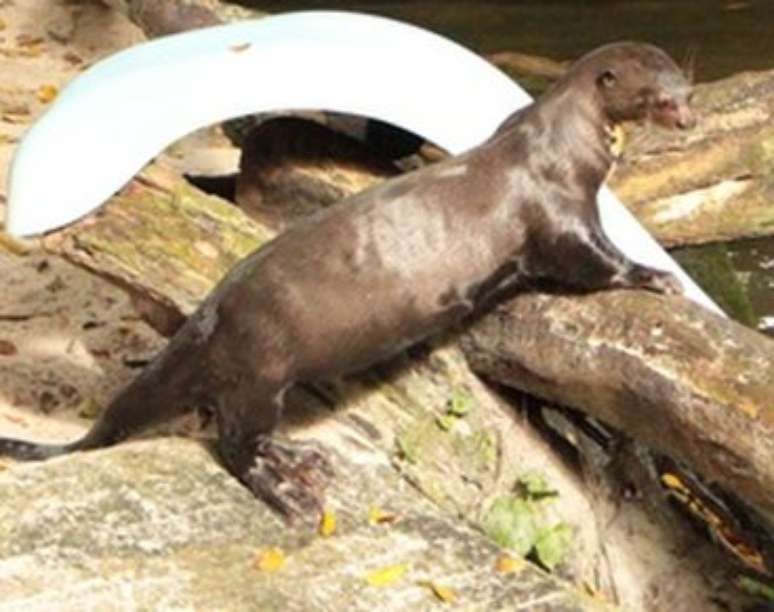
[169,243]
[693,384]
[683,380]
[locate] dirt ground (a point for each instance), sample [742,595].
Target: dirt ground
[68,340]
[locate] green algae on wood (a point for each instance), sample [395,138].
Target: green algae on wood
[711,267]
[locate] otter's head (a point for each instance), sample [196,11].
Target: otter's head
[636,82]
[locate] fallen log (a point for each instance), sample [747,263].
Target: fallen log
[685,381]
[159,220]
[390,415]
[706,378]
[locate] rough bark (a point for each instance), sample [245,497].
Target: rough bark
[665,371]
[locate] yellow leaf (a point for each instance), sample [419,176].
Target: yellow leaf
[443,593]
[387,575]
[47,93]
[327,524]
[270,560]
[377,516]
[509,565]
[671,481]
[593,591]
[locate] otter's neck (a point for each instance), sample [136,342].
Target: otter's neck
[579,124]
[568,120]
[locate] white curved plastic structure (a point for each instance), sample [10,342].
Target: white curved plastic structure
[123,111]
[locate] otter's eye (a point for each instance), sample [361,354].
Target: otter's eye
[607,79]
[665,104]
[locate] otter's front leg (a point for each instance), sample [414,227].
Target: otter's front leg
[632,275]
[589,261]
[290,477]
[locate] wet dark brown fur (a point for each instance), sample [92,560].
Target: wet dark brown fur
[364,279]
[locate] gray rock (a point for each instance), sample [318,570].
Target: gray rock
[159,525]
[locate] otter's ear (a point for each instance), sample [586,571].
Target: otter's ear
[607,79]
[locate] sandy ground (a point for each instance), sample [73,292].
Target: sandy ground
[68,340]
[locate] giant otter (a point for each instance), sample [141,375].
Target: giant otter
[361,280]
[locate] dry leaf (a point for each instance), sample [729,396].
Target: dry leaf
[28,40]
[442,593]
[16,419]
[377,516]
[270,560]
[14,118]
[47,93]
[8,348]
[327,524]
[14,107]
[509,565]
[72,58]
[387,575]
[35,50]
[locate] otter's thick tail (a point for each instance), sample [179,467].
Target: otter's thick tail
[32,451]
[161,392]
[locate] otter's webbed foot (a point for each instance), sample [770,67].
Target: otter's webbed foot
[289,477]
[650,279]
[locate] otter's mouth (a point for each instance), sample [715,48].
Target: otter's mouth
[672,114]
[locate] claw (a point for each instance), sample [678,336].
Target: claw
[658,281]
[290,478]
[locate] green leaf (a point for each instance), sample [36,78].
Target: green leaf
[511,522]
[553,544]
[446,421]
[756,588]
[535,486]
[460,403]
[407,448]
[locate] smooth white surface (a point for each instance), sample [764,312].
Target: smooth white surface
[123,111]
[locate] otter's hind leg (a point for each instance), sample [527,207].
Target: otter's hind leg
[289,476]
